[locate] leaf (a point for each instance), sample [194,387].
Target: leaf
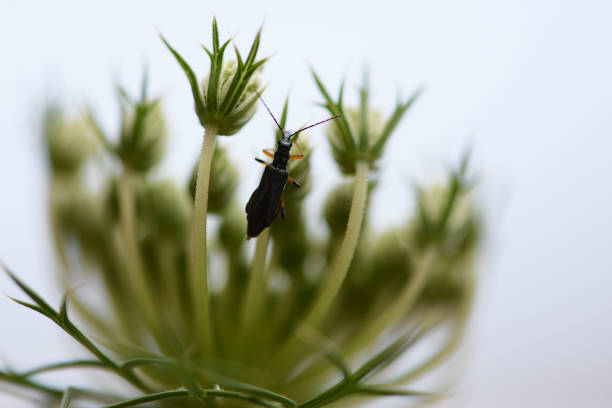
[397,115]
[385,357]
[376,390]
[148,398]
[193,82]
[62,365]
[44,306]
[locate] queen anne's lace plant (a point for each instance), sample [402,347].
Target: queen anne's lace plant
[306,321]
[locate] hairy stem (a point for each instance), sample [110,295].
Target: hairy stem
[339,266]
[198,266]
[255,293]
[343,258]
[135,271]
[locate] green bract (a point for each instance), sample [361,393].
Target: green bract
[227,98]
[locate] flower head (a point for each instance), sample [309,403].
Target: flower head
[227,97]
[361,133]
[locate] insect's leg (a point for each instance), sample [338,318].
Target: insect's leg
[268,152]
[297,156]
[265,163]
[294,181]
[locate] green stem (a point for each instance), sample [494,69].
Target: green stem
[343,258]
[135,271]
[339,267]
[400,306]
[170,281]
[451,344]
[54,195]
[64,364]
[256,289]
[27,383]
[198,272]
[148,398]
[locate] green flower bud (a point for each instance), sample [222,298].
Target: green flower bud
[69,142]
[80,213]
[231,122]
[299,169]
[143,135]
[231,231]
[223,181]
[226,99]
[360,134]
[445,286]
[167,210]
[391,263]
[446,217]
[346,158]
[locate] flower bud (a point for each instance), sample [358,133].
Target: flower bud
[446,218]
[227,98]
[230,122]
[299,169]
[166,210]
[231,231]
[143,135]
[344,156]
[69,143]
[359,134]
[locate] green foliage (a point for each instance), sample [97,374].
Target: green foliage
[306,321]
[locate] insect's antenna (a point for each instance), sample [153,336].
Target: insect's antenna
[318,123]
[268,109]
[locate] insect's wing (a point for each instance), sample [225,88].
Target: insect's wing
[263,207]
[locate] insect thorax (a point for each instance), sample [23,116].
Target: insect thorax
[281,156]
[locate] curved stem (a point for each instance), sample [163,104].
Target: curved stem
[343,258]
[256,289]
[148,398]
[451,344]
[399,307]
[198,272]
[135,271]
[339,267]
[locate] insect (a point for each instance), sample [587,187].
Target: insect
[266,201]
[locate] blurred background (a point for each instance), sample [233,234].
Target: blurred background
[526,84]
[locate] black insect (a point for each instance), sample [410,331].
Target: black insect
[266,201]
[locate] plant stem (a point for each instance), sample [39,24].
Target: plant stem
[400,306]
[170,281]
[450,345]
[256,288]
[135,271]
[343,258]
[339,267]
[54,195]
[148,398]
[198,272]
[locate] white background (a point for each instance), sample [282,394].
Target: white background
[527,83]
